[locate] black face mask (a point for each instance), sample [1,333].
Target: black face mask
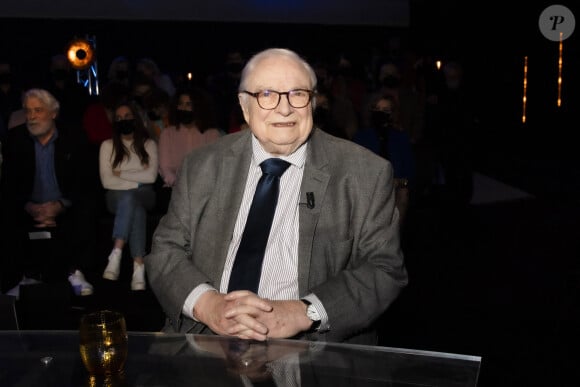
[184,117]
[391,82]
[125,126]
[381,119]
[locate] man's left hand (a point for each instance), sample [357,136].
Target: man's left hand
[286,319]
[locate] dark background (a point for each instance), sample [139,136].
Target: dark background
[487,37]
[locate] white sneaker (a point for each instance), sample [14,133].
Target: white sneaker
[114,266]
[15,291]
[79,284]
[138,281]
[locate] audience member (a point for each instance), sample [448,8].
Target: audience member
[348,83]
[334,114]
[412,115]
[323,74]
[222,86]
[141,88]
[3,128]
[72,96]
[156,105]
[17,118]
[120,71]
[387,138]
[10,94]
[128,168]
[148,68]
[47,203]
[333,263]
[98,117]
[192,125]
[450,126]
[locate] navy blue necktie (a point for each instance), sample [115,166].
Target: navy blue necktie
[248,263]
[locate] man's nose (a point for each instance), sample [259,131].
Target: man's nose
[284,106]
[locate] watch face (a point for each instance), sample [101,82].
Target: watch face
[312,313]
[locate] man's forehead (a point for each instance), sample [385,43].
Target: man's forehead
[35,103]
[270,74]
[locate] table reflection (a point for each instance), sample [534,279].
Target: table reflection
[157,359]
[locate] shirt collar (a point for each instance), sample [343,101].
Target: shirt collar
[296,158]
[50,141]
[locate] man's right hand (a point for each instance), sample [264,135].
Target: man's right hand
[44,214]
[212,307]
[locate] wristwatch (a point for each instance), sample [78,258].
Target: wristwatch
[312,314]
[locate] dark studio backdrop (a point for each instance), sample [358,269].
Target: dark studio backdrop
[194,36]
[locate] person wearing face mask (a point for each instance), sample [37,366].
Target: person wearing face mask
[192,124]
[385,136]
[128,167]
[391,82]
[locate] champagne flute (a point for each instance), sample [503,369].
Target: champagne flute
[103,342]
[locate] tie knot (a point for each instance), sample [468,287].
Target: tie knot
[274,166]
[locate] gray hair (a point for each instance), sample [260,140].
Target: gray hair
[273,52]
[44,96]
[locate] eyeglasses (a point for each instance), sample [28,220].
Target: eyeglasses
[270,99]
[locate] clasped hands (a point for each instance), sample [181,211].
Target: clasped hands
[44,214]
[245,315]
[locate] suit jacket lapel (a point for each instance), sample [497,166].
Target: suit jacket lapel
[230,185]
[315,180]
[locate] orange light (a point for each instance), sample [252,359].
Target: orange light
[80,54]
[524,97]
[559,103]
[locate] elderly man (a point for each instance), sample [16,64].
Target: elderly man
[46,196]
[332,263]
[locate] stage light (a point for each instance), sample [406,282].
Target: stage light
[80,54]
[525,92]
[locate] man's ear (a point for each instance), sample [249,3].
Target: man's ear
[243,101]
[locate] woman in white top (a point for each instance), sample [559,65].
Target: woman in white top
[128,168]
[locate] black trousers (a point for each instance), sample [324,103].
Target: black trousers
[48,254]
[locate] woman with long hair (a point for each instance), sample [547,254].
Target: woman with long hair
[128,169]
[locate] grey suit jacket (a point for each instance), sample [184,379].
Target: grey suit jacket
[349,251]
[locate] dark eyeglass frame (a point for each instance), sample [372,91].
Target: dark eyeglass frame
[280,94]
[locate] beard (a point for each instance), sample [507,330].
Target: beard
[40,129]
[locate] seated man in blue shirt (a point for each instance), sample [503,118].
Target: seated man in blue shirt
[46,197]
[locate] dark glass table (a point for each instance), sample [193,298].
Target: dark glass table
[52,358]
